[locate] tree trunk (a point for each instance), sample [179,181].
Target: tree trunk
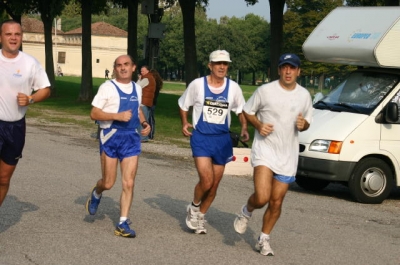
[188,14]
[132,33]
[276,11]
[86,92]
[48,47]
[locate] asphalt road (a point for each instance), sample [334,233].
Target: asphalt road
[43,220]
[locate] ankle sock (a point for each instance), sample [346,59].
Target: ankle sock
[122,219]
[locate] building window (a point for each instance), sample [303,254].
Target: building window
[97,60]
[61,57]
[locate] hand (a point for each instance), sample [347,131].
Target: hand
[146,128]
[301,123]
[125,116]
[22,99]
[245,135]
[265,129]
[185,129]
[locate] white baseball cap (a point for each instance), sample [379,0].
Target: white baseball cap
[220,56]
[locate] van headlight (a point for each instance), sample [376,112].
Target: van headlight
[326,146]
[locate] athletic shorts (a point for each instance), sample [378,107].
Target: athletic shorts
[117,143]
[12,141]
[218,147]
[284,179]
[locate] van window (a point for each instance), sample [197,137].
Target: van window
[360,92]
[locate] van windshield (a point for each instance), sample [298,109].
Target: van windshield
[360,92]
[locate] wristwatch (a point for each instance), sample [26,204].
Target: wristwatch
[31,101]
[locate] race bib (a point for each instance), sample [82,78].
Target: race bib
[215,111]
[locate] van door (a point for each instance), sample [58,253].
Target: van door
[390,134]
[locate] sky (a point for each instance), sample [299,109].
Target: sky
[237,8]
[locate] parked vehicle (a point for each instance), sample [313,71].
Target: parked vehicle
[354,137]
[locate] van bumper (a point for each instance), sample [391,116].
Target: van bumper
[325,169]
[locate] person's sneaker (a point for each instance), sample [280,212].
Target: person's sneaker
[191,217]
[240,223]
[124,230]
[264,247]
[200,224]
[92,203]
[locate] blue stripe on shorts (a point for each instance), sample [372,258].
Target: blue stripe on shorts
[284,179]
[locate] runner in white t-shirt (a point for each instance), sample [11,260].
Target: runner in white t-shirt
[23,81]
[278,111]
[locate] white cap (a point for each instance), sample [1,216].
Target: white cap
[220,56]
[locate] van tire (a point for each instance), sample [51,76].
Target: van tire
[371,181]
[311,184]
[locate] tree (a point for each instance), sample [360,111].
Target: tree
[49,10]
[88,7]
[189,37]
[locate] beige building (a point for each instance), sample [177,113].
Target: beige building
[108,42]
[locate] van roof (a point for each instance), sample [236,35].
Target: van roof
[362,36]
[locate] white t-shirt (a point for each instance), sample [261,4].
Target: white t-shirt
[107,98]
[22,74]
[273,104]
[194,96]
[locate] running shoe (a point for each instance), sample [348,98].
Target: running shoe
[264,247]
[191,217]
[240,223]
[200,224]
[124,230]
[92,203]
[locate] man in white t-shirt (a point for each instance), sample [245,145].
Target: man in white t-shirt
[116,107]
[23,82]
[212,97]
[278,111]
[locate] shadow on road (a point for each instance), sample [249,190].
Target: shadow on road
[12,210]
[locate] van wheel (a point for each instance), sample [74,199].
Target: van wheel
[311,184]
[371,181]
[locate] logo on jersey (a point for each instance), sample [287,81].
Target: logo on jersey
[133,98]
[17,74]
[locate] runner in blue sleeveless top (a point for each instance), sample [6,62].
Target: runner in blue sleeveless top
[212,97]
[116,107]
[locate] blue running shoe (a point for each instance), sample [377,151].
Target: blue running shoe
[124,230]
[92,203]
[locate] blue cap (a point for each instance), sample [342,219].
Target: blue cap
[289,58]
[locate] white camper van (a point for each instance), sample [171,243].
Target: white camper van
[354,137]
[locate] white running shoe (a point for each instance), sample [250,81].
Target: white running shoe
[191,217]
[200,224]
[264,247]
[240,223]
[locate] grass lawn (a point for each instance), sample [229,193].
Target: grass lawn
[64,108]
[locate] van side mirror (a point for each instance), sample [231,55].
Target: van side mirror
[392,112]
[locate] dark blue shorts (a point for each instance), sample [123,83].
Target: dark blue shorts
[218,147]
[12,141]
[117,143]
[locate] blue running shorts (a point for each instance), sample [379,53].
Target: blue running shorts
[218,147]
[117,143]
[284,179]
[12,141]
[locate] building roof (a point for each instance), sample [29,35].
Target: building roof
[33,25]
[102,29]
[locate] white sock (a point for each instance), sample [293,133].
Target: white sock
[96,195]
[262,236]
[122,219]
[195,207]
[246,212]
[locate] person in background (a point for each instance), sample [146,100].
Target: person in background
[212,97]
[278,111]
[23,82]
[116,107]
[159,85]
[106,72]
[148,84]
